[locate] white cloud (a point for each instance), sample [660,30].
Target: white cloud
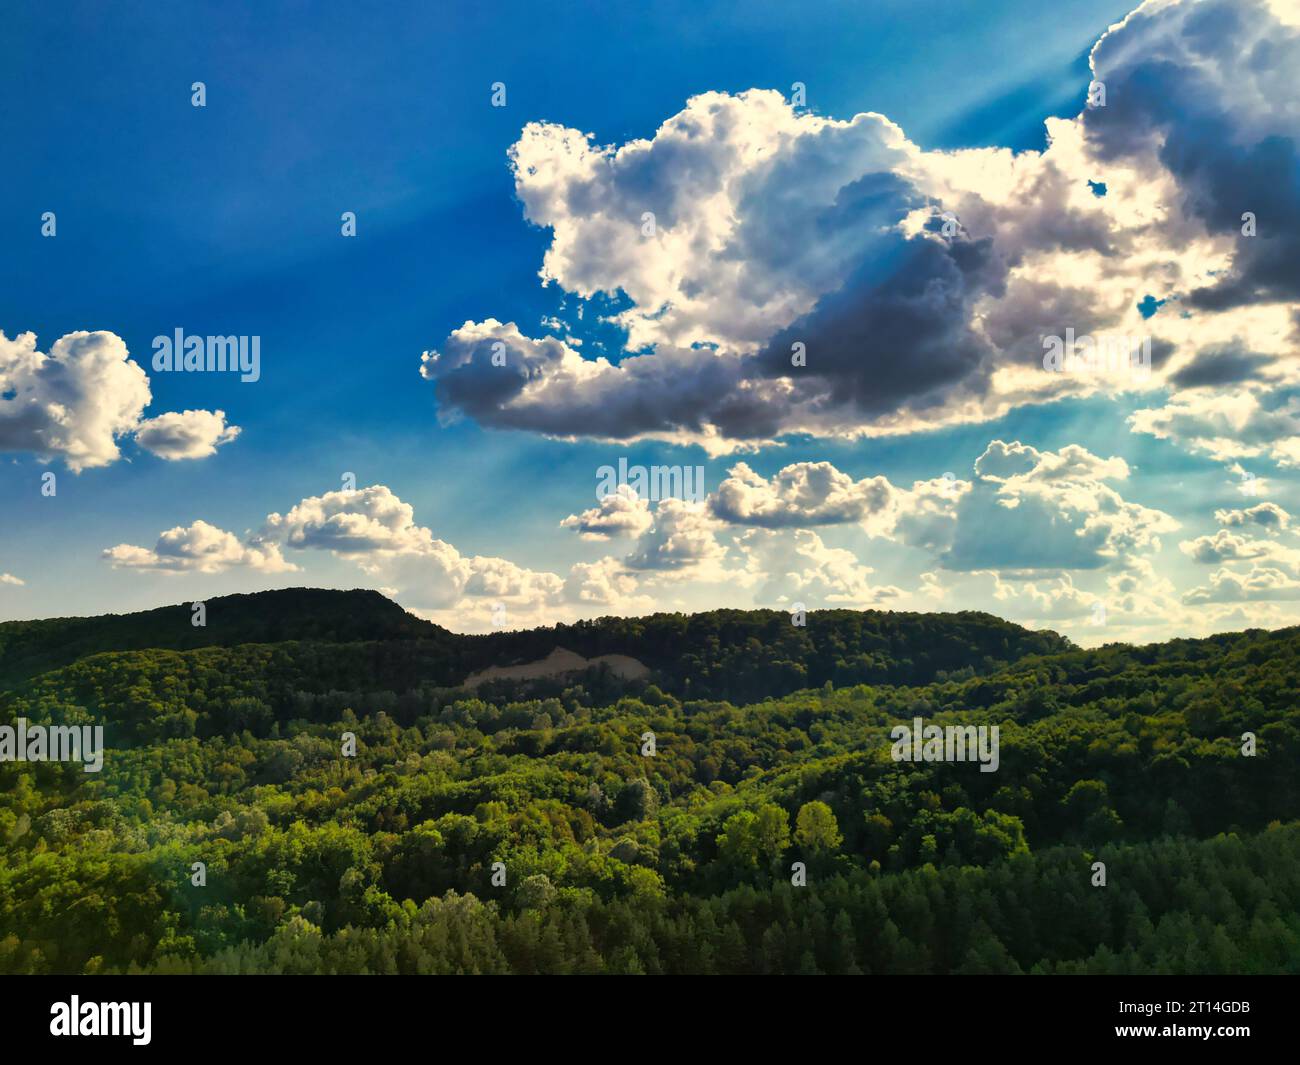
[682,540]
[352,523]
[620,513]
[377,531]
[1016,462]
[1260,582]
[1142,597]
[798,567]
[801,494]
[1268,516]
[712,270]
[200,548]
[191,434]
[499,578]
[608,584]
[76,402]
[1028,510]
[1052,600]
[1225,546]
[1228,425]
[72,403]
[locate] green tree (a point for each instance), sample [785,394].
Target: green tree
[816,829]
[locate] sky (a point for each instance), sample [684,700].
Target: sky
[952,306]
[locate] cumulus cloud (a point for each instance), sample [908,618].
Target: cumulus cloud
[1267,557]
[620,513]
[430,575]
[801,494]
[72,403]
[1006,463]
[191,434]
[500,578]
[927,513]
[545,386]
[9,578]
[352,522]
[800,568]
[1136,603]
[1207,89]
[1023,510]
[1027,509]
[681,540]
[77,401]
[1223,546]
[1261,582]
[1268,516]
[1229,425]
[777,271]
[1214,367]
[1052,600]
[606,584]
[1204,90]
[200,548]
[706,270]
[759,215]
[376,530]
[1027,520]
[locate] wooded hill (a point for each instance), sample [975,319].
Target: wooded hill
[772,752]
[736,654]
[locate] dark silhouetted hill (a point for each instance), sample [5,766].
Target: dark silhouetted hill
[740,655]
[31,647]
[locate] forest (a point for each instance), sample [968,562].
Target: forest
[304,786]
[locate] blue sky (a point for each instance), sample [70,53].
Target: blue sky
[225,219]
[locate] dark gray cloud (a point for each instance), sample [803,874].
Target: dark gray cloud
[1210,82]
[1221,366]
[899,334]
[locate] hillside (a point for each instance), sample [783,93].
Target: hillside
[733,654]
[31,647]
[746,655]
[559,664]
[391,858]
